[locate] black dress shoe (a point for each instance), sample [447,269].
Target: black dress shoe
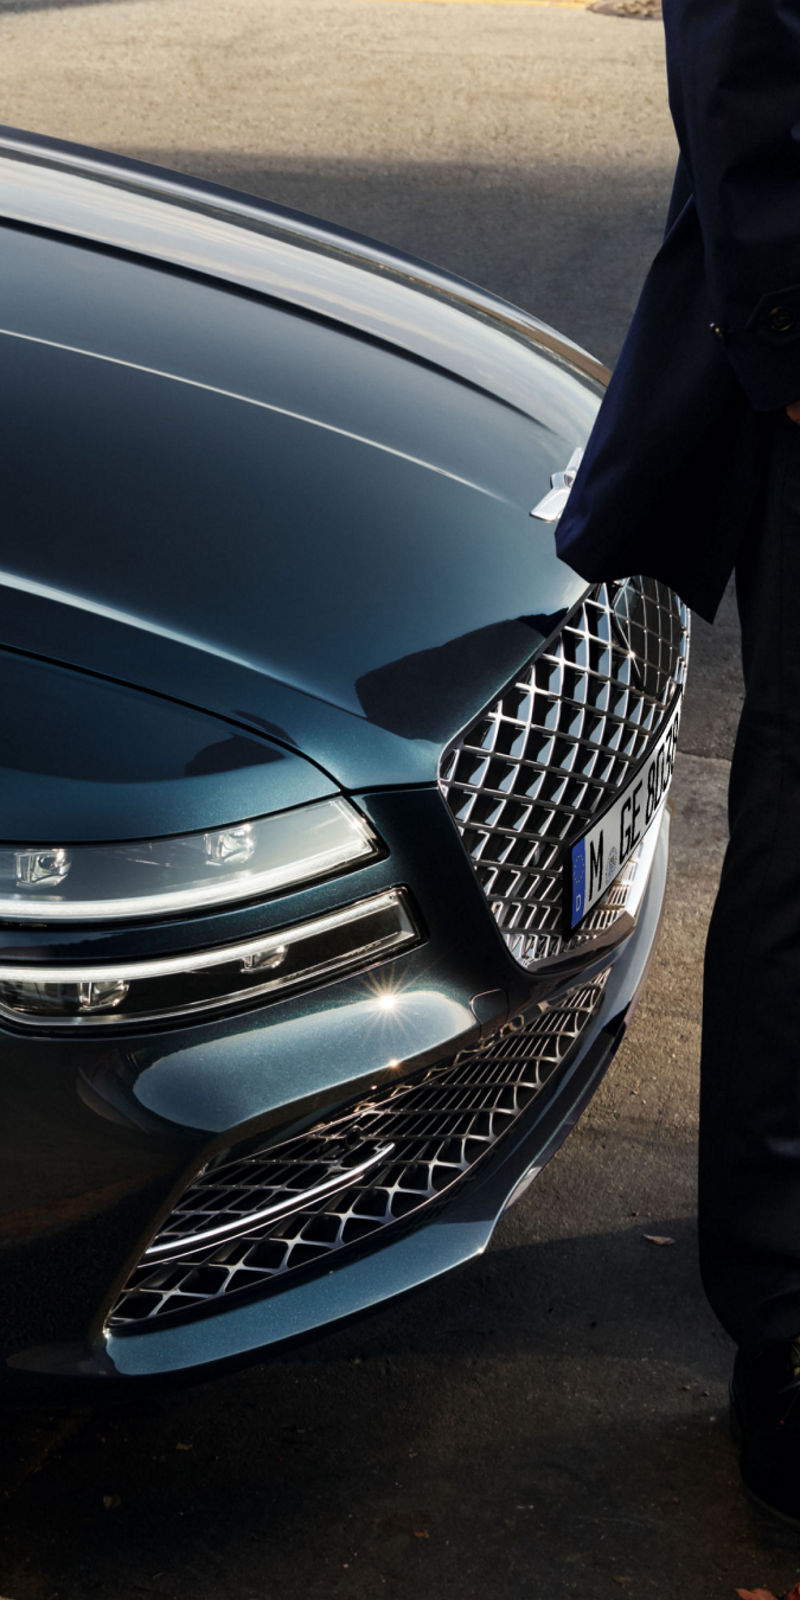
[765,1421]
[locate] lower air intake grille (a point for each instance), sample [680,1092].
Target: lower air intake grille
[526,779]
[295,1205]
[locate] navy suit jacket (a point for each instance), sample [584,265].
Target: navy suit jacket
[672,469]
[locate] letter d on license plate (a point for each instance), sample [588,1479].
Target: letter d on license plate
[600,855]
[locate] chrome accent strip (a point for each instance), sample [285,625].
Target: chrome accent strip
[441,1124]
[233,1230]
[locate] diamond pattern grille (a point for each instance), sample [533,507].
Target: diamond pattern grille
[539,765]
[437,1126]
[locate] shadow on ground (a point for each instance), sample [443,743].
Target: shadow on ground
[577,1447]
[12,6]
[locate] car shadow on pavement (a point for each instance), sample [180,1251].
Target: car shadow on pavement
[11,6]
[542,1423]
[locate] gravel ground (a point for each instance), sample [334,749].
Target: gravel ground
[646,10]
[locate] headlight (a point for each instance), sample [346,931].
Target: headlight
[200,980]
[158,877]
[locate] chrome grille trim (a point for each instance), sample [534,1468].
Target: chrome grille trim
[169,1245]
[539,764]
[439,1126]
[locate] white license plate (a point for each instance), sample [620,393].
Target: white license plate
[601,854]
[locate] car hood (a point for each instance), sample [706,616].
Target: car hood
[312,523]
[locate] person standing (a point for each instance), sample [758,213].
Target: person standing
[693,471]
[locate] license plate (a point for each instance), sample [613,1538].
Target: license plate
[600,855]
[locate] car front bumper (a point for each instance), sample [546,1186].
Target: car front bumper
[145,1121]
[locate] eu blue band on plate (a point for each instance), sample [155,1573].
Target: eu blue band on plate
[578,880]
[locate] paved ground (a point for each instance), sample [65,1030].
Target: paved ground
[551,1422]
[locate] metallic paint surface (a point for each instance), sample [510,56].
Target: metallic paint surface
[241,239]
[84,760]
[266,533]
[169,1152]
[447,1240]
[279,456]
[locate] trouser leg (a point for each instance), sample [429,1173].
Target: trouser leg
[749,1213]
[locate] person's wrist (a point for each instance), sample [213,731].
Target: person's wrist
[793,411]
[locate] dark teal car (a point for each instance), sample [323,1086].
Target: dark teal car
[333,832]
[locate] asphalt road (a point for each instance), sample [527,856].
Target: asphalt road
[552,1421]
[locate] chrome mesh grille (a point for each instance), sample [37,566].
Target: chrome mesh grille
[529,775]
[417,1139]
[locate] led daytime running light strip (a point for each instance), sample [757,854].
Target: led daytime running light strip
[130,992]
[199,960]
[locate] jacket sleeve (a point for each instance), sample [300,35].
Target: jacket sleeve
[734,84]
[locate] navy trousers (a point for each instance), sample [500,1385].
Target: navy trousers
[749,1212]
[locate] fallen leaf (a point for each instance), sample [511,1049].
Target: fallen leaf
[658,1238]
[757,1594]
[111,1501]
[180,1446]
[423,1534]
